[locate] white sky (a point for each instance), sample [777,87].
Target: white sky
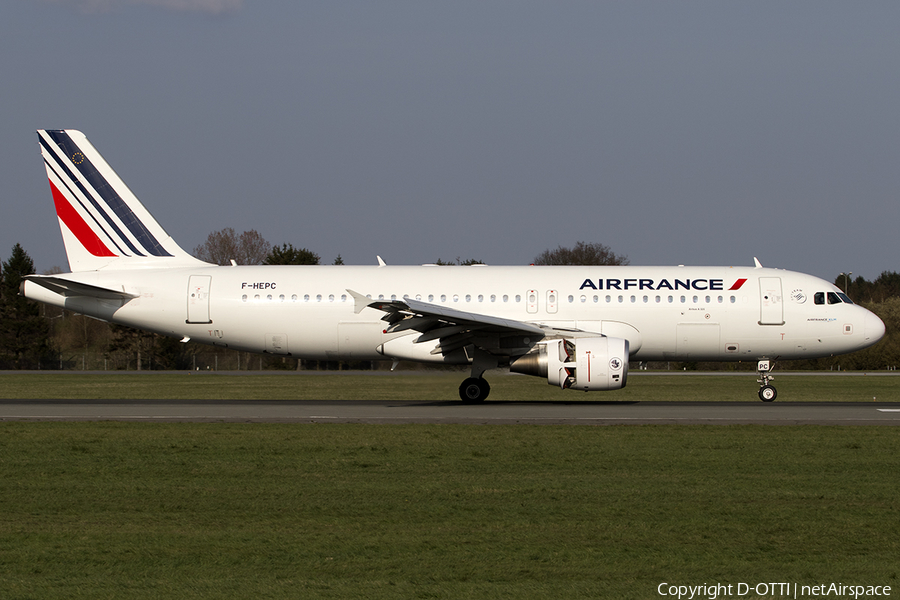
[674,132]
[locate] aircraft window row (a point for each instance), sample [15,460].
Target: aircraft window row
[832,298]
[294,298]
[668,299]
[393,297]
[820,298]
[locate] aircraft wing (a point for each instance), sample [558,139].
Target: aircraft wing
[67,288]
[454,328]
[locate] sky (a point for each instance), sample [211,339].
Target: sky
[697,133]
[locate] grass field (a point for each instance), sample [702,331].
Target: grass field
[121,510]
[434,386]
[152,510]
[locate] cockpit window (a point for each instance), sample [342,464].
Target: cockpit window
[845,298]
[832,297]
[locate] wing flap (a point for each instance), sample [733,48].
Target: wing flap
[423,317]
[454,329]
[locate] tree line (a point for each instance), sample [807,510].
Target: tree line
[37,336]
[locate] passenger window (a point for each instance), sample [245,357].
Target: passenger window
[819,298]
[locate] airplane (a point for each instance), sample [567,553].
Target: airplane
[577,327]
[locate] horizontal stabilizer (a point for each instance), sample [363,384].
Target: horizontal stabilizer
[67,288]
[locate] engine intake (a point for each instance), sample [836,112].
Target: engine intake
[589,364]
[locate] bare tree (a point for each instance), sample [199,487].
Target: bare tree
[225,245]
[581,254]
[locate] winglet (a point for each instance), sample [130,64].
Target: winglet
[381,262]
[359,301]
[757,263]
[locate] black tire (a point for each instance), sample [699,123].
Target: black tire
[474,390]
[767,393]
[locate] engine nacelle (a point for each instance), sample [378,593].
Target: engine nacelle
[594,363]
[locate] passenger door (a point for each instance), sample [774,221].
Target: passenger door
[771,306]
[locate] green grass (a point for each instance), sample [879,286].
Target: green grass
[119,510]
[435,387]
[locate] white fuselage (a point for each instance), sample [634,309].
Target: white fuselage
[665,313]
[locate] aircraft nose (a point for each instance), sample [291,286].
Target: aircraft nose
[874,328]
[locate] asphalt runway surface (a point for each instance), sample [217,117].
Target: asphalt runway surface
[532,413]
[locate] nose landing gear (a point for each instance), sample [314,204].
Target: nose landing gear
[767,393]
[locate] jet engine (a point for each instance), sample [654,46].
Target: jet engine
[591,363]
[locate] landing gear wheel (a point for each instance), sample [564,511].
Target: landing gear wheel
[767,393]
[474,390]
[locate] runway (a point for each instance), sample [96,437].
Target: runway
[532,413]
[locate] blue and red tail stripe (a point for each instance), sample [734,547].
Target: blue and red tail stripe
[76,160]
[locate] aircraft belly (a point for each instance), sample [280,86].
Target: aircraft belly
[358,340]
[698,341]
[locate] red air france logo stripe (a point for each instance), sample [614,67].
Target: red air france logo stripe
[737,285]
[77,226]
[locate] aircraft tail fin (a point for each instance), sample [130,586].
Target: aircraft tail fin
[103,224]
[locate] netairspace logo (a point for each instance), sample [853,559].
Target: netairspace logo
[772,590]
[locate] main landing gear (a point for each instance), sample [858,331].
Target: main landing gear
[767,393]
[475,389]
